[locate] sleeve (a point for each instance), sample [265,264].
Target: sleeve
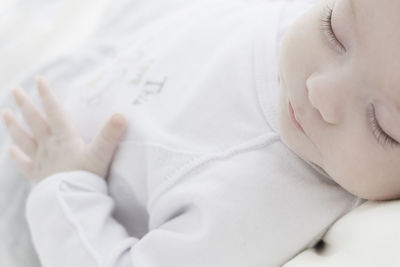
[209,216]
[227,209]
[70,218]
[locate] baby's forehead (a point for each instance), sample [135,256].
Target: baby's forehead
[368,12]
[374,14]
[376,37]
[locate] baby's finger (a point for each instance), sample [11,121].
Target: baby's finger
[106,142]
[19,135]
[32,115]
[56,115]
[23,163]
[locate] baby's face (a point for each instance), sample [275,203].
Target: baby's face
[344,87]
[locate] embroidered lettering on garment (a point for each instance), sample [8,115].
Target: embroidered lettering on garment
[150,88]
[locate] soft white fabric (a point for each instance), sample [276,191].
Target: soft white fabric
[368,237]
[34,32]
[31,34]
[202,177]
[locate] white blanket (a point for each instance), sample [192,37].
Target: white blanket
[369,236]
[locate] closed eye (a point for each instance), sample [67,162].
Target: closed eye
[326,28]
[381,136]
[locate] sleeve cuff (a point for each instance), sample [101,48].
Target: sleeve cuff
[77,178]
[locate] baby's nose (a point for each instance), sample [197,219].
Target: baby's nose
[324,98]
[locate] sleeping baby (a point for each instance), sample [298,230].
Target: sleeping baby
[210,133]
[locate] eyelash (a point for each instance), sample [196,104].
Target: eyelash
[382,137]
[326,28]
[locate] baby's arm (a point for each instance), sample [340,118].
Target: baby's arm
[70,176]
[69,211]
[194,223]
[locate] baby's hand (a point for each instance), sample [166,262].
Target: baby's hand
[56,145]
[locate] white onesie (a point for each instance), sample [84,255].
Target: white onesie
[202,177]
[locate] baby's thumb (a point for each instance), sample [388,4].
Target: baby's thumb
[107,140]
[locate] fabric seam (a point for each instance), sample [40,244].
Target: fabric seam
[199,162]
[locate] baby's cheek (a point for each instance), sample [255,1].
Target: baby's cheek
[373,183]
[387,183]
[382,173]
[347,169]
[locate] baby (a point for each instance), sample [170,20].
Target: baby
[221,153]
